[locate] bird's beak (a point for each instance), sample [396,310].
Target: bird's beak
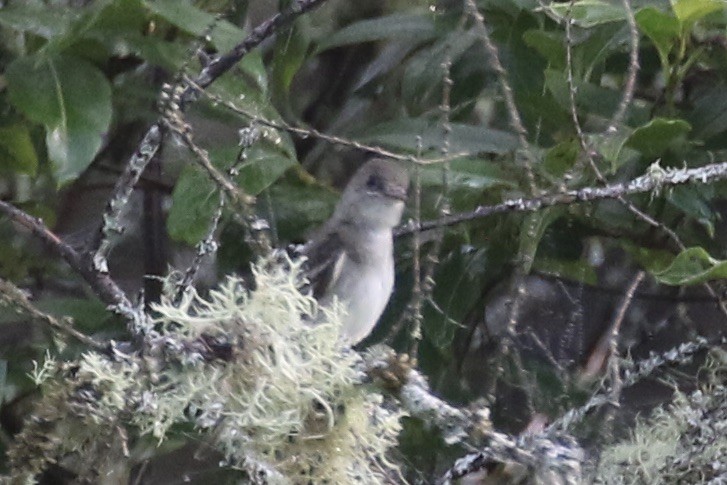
[397,192]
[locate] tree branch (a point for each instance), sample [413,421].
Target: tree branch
[153,137]
[101,283]
[655,179]
[224,63]
[15,296]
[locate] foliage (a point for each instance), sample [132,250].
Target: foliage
[516,308]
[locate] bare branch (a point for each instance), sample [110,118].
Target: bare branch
[312,132]
[628,93]
[515,120]
[614,370]
[224,63]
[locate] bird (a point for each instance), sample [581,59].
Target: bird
[351,256]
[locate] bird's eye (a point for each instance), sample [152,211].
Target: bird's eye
[375,183]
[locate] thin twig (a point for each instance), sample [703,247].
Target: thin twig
[614,369]
[205,247]
[415,306]
[633,70]
[424,274]
[239,198]
[515,120]
[313,133]
[16,297]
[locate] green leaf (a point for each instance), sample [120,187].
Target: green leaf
[592,99]
[531,232]
[694,202]
[412,27]
[575,270]
[658,136]
[182,14]
[43,21]
[690,267]
[89,315]
[589,13]
[597,46]
[195,198]
[17,153]
[561,158]
[265,165]
[120,27]
[194,201]
[690,11]
[421,84]
[76,32]
[468,173]
[300,207]
[662,28]
[709,116]
[550,45]
[72,99]
[612,147]
[247,88]
[291,48]
[404,132]
[654,260]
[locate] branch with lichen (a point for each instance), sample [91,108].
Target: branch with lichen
[397,375]
[681,442]
[101,283]
[279,397]
[525,459]
[152,140]
[538,457]
[655,180]
[631,373]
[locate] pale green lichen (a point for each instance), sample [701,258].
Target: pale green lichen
[44,371]
[284,401]
[684,442]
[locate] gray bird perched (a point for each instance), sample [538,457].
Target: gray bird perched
[351,257]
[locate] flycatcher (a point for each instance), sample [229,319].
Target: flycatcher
[351,257]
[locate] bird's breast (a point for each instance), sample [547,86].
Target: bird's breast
[364,287]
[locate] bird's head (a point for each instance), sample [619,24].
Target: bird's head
[375,195]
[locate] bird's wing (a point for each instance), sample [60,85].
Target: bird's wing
[326,253]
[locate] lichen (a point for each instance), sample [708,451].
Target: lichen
[281,397]
[683,442]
